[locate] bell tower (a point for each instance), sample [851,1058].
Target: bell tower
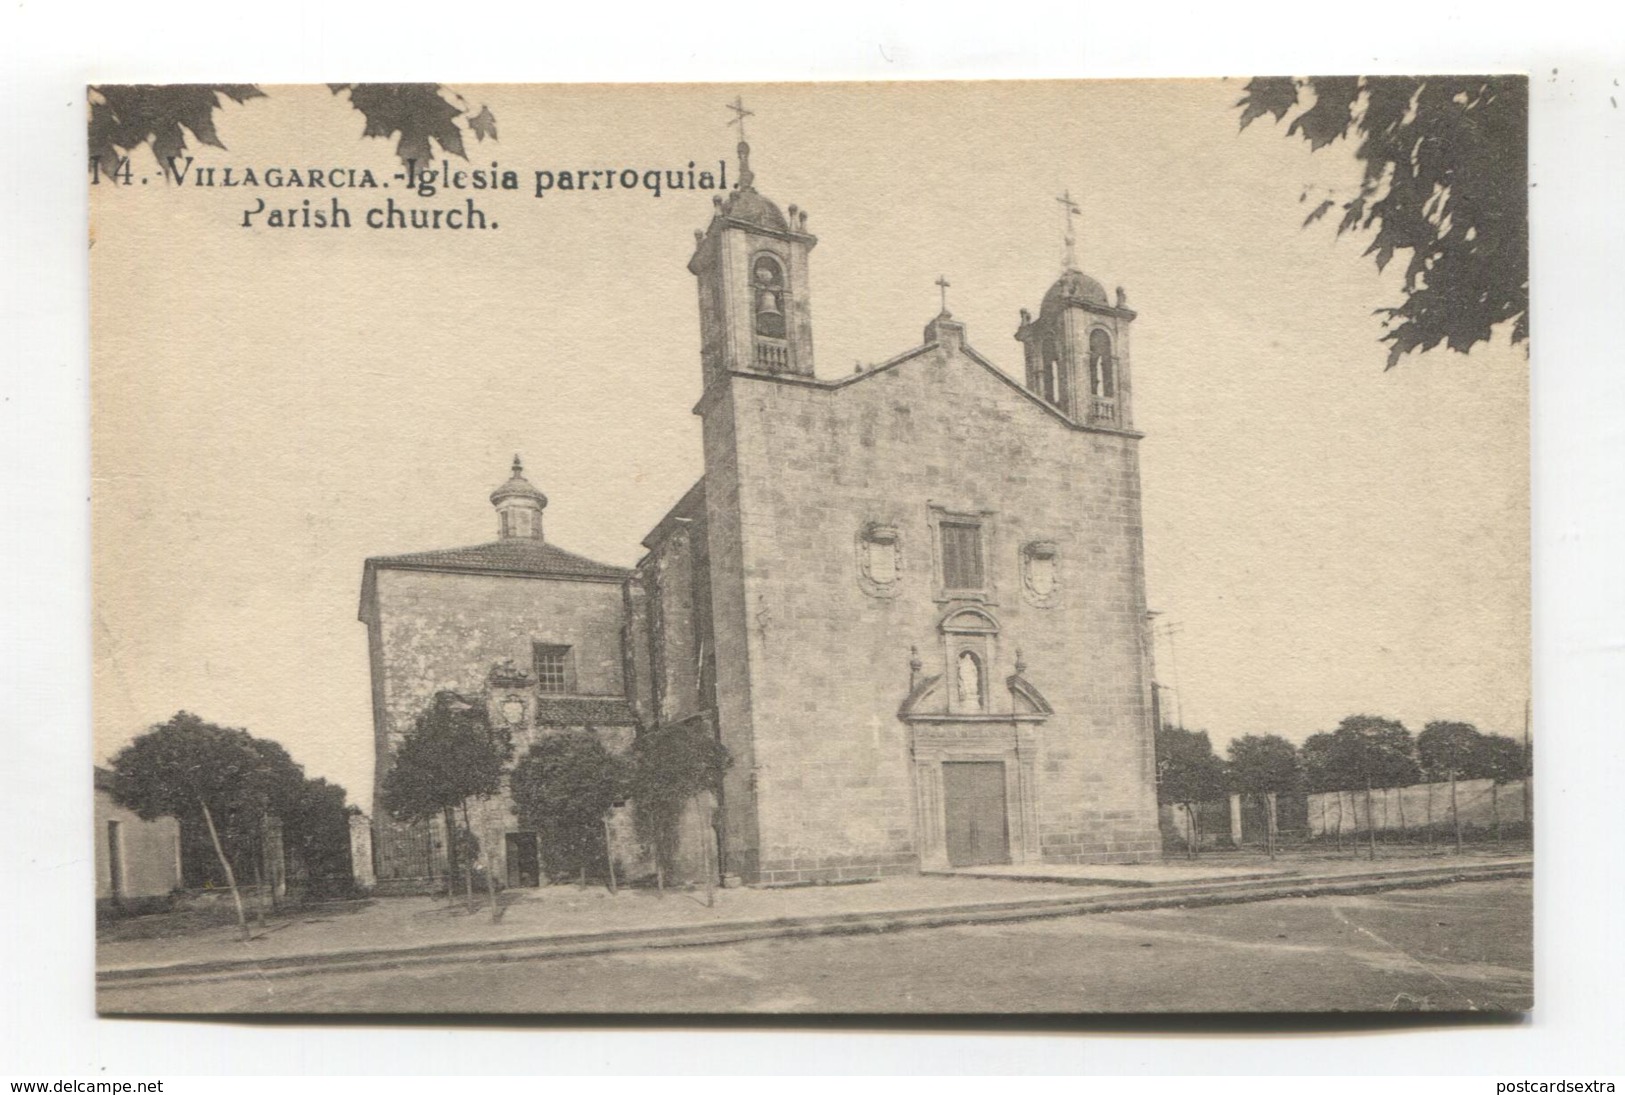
[751,263]
[1077,349]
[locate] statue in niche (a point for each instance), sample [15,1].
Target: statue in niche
[970,681]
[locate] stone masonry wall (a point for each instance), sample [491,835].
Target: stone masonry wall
[828,662]
[433,630]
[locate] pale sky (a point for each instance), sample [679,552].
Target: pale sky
[272,408]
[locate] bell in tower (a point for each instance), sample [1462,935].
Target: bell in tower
[751,263]
[1077,347]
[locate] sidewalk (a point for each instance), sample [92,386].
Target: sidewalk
[567,920]
[1233,867]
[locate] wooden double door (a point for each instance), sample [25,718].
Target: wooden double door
[976,819]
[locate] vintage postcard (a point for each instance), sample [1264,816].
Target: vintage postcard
[975,547]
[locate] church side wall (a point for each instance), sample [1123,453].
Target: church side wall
[829,661]
[735,718]
[677,635]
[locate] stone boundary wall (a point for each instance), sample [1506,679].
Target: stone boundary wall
[1478,802]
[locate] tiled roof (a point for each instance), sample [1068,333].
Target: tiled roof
[584,710]
[517,555]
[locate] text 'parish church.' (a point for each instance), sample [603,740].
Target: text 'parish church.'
[910,601]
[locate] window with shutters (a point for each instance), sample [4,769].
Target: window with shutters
[963,542]
[961,555]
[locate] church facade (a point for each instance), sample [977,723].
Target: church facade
[910,601]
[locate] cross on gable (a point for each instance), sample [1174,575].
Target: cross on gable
[942,284]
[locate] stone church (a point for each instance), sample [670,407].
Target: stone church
[910,601]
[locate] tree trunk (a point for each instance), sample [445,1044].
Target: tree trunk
[259,890]
[705,864]
[448,817]
[468,867]
[1270,821]
[1429,830]
[1455,812]
[1404,830]
[609,854]
[271,866]
[231,876]
[1192,835]
[1495,808]
[1370,822]
[491,874]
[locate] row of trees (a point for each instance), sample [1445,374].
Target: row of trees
[1365,753]
[563,788]
[234,787]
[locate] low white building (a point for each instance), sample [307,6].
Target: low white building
[137,862]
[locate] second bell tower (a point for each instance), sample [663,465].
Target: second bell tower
[751,262]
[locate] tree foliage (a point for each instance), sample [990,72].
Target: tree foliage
[123,117]
[1370,751]
[1188,771]
[671,765]
[1263,763]
[1448,749]
[564,787]
[1504,759]
[418,113]
[452,753]
[1317,756]
[1443,179]
[214,778]
[317,830]
[179,767]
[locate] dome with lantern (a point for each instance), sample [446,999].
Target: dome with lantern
[1075,285]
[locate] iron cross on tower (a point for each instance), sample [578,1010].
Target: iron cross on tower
[942,284]
[1070,207]
[740,114]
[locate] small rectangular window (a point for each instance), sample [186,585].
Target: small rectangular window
[961,555]
[552,668]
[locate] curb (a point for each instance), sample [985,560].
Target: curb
[579,944]
[1118,883]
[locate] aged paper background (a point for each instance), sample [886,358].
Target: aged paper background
[272,406]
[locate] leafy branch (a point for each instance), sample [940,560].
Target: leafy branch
[123,117]
[1443,179]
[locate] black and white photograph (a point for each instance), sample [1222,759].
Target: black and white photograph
[858,549]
